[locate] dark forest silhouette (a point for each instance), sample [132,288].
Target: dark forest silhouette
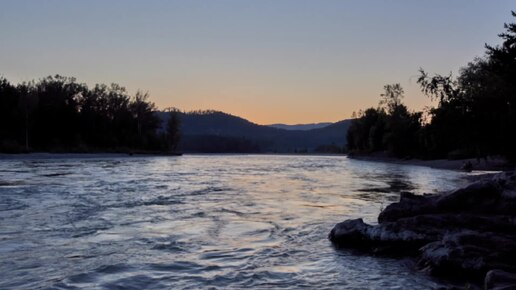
[59,114]
[475,115]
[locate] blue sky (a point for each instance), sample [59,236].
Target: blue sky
[268,61]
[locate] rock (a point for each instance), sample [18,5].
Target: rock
[376,239]
[351,233]
[500,280]
[459,234]
[404,238]
[467,166]
[468,254]
[479,197]
[494,196]
[407,235]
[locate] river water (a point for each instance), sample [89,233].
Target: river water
[199,221]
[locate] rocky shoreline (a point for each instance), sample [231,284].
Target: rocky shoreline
[467,235]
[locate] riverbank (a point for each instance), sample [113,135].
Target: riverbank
[490,164]
[466,235]
[45,155]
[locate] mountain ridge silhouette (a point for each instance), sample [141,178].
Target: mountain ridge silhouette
[216,131]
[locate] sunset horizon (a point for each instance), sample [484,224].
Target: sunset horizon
[257,144]
[293,62]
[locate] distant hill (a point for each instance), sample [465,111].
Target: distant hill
[214,131]
[302,127]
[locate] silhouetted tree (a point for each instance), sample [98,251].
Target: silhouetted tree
[143,112]
[173,129]
[57,113]
[11,120]
[391,98]
[366,133]
[476,111]
[390,127]
[28,100]
[501,68]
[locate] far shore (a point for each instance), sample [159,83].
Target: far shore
[65,155]
[491,164]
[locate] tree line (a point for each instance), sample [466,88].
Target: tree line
[475,115]
[59,114]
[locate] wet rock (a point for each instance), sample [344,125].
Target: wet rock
[479,198]
[402,238]
[494,196]
[500,280]
[407,235]
[469,254]
[384,239]
[459,234]
[351,233]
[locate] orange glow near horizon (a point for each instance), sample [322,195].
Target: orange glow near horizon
[295,108]
[266,61]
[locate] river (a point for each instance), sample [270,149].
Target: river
[199,221]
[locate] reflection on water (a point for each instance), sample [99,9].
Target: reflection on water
[196,221]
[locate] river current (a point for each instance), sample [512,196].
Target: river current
[199,221]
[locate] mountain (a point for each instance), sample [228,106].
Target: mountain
[302,127]
[214,131]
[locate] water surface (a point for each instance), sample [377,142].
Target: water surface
[198,221]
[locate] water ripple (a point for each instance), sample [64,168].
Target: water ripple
[206,221]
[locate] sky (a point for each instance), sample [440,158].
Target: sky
[269,61]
